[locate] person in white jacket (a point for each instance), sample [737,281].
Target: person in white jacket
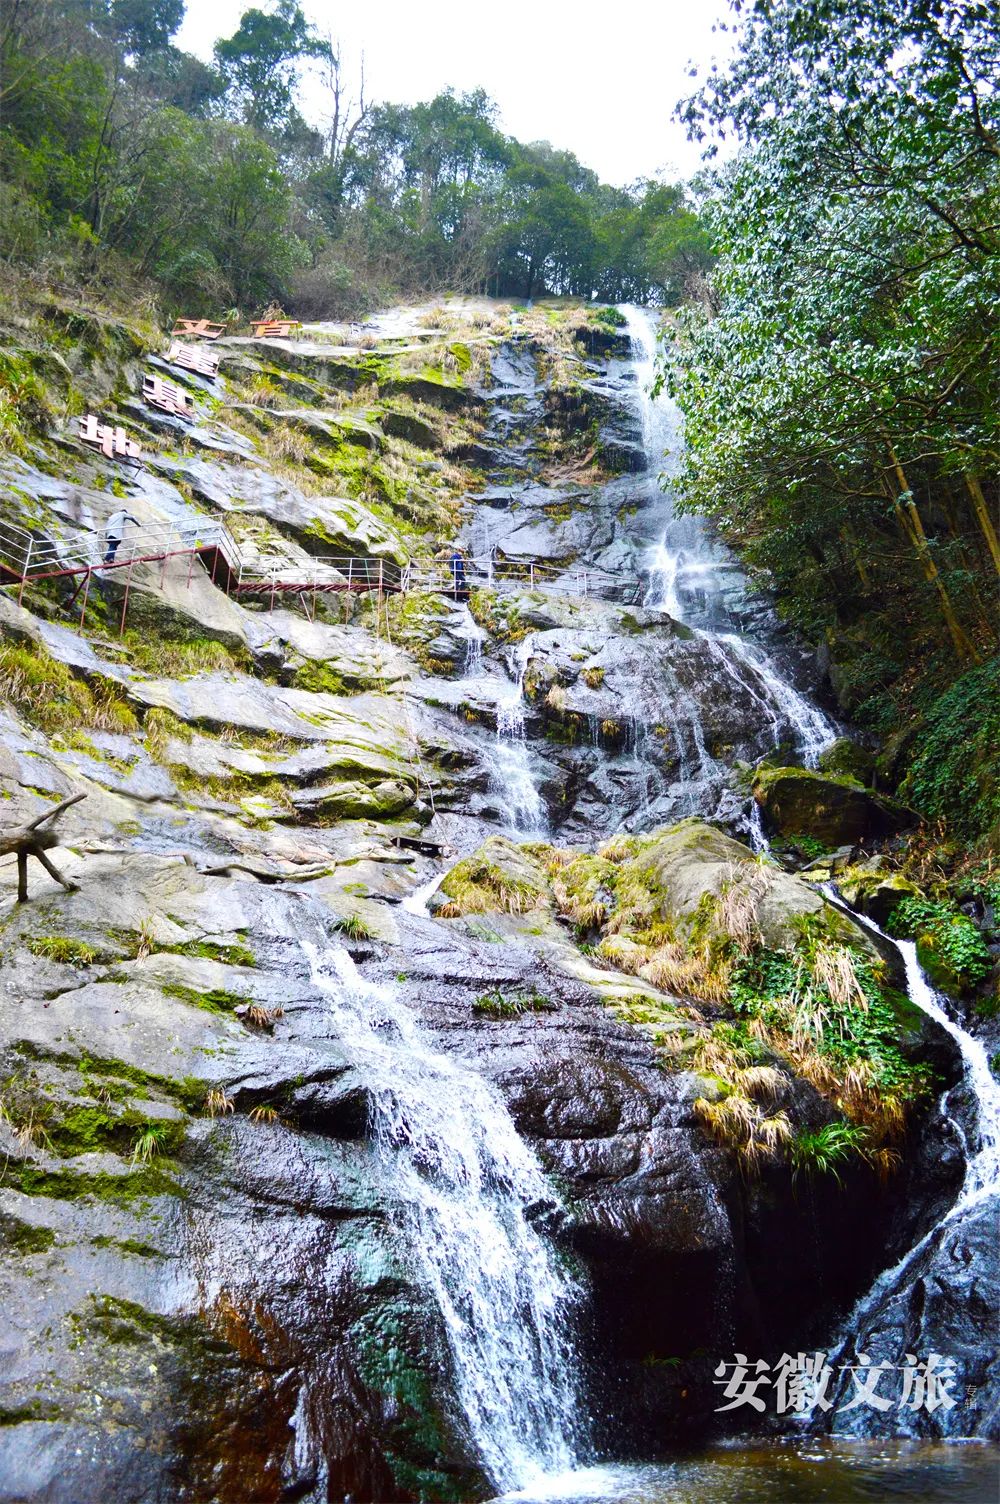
[114,531]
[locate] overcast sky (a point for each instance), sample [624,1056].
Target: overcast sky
[598,80]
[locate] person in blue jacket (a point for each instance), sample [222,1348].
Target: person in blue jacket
[459,582]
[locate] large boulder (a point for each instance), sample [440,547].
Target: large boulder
[873,889]
[836,811]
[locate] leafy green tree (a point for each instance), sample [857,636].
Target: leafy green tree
[838,406]
[261,61]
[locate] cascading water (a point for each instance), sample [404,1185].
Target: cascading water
[691,577]
[982,1136]
[469,1192]
[512,768]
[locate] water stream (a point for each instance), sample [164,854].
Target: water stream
[693,579]
[511,771]
[980,1132]
[470,1192]
[469,1187]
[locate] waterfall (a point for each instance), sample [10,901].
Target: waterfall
[982,1140]
[686,568]
[982,1168]
[512,769]
[470,1192]
[474,636]
[788,709]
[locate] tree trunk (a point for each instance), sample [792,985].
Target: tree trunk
[983,518]
[854,553]
[913,527]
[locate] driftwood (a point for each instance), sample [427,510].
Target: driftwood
[29,840]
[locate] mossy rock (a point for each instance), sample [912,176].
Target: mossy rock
[435,392]
[874,891]
[845,759]
[411,428]
[836,811]
[688,868]
[500,878]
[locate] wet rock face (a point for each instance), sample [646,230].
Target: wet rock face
[942,1302]
[682,1255]
[237,1298]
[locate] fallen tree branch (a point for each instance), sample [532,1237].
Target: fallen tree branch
[30,840]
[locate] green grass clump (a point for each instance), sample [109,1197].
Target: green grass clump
[150,1141]
[354,927]
[475,886]
[50,696]
[823,1151]
[497,1004]
[178,657]
[59,948]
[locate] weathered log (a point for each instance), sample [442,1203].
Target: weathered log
[29,840]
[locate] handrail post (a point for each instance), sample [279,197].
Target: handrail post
[128,582]
[26,567]
[86,592]
[531,575]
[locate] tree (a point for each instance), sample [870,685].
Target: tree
[838,407]
[260,62]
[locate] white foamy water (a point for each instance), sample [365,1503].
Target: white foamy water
[511,771]
[687,566]
[468,1189]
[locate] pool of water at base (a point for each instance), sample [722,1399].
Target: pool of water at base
[814,1472]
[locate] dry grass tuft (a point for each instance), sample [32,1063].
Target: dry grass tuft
[744,885]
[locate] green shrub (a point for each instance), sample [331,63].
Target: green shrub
[955,771]
[949,945]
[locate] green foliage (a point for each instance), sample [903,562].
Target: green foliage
[608,317]
[954,771]
[498,1004]
[838,405]
[259,62]
[948,942]
[23,404]
[860,1031]
[209,180]
[822,1151]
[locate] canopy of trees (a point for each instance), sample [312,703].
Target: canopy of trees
[841,403]
[209,180]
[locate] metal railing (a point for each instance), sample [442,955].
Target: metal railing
[325,572]
[491,573]
[34,558]
[30,558]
